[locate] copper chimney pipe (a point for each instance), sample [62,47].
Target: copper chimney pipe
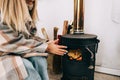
[78,22]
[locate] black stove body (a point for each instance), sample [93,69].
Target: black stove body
[83,68]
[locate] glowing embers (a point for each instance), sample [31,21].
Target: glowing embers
[75,55]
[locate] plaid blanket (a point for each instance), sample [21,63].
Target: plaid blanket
[12,43]
[12,68]
[16,43]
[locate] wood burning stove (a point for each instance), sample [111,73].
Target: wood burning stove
[79,62]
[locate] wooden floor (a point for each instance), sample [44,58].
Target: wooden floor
[101,76]
[98,76]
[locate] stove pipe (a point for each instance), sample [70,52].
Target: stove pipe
[78,22]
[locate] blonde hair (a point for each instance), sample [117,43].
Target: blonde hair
[15,14]
[34,14]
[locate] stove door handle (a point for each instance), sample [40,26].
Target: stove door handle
[92,54]
[92,59]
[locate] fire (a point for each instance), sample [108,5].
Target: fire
[75,54]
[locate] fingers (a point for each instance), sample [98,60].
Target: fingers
[55,48]
[61,51]
[62,47]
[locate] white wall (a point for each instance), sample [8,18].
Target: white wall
[52,13]
[98,21]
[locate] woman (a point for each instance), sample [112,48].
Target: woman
[18,44]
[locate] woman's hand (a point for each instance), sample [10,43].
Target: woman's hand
[54,48]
